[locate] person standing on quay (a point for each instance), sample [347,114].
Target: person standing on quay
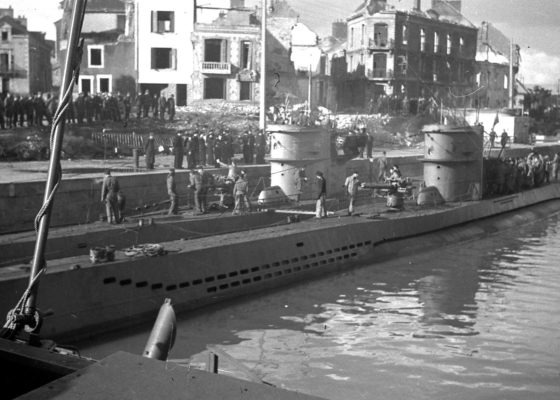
[171,191]
[555,166]
[171,107]
[178,151]
[320,210]
[109,196]
[150,152]
[162,106]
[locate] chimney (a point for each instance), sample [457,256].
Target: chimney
[340,30]
[22,20]
[418,5]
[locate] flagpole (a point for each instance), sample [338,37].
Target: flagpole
[511,74]
[262,110]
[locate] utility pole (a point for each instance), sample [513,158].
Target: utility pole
[262,113]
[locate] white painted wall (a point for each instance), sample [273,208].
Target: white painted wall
[180,40]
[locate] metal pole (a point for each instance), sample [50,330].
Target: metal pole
[262,113]
[511,74]
[43,231]
[309,92]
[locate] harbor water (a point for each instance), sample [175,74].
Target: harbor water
[478,319]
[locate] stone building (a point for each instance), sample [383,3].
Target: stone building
[108,61]
[409,54]
[25,56]
[226,55]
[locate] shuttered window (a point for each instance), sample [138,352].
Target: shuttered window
[163,21]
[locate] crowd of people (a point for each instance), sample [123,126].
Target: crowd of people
[207,147]
[84,108]
[511,175]
[31,110]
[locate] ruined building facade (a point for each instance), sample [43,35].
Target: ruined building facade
[411,54]
[226,56]
[108,60]
[25,56]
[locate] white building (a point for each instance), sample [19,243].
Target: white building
[164,47]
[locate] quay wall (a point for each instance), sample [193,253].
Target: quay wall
[78,200]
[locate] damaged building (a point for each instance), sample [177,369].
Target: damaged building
[493,57]
[226,54]
[25,56]
[409,54]
[109,47]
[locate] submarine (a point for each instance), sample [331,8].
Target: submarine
[200,271]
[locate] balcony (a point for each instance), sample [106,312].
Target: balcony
[6,70]
[379,73]
[217,68]
[381,44]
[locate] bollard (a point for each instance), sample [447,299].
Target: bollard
[213,361]
[136,157]
[163,333]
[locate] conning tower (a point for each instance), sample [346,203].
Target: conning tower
[297,152]
[453,161]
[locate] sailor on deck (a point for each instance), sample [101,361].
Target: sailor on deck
[240,191]
[352,184]
[172,192]
[320,210]
[109,195]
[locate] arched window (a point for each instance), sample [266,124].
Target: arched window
[404,35]
[422,40]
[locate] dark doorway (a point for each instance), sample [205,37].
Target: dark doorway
[181,94]
[104,85]
[245,91]
[214,88]
[5,85]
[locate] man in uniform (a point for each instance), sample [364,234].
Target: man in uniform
[150,152]
[492,137]
[162,106]
[139,104]
[171,107]
[146,103]
[109,195]
[504,139]
[127,102]
[351,185]
[171,191]
[240,190]
[320,210]
[178,151]
[198,184]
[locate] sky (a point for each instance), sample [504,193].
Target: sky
[533,24]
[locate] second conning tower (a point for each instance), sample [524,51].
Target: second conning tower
[453,161]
